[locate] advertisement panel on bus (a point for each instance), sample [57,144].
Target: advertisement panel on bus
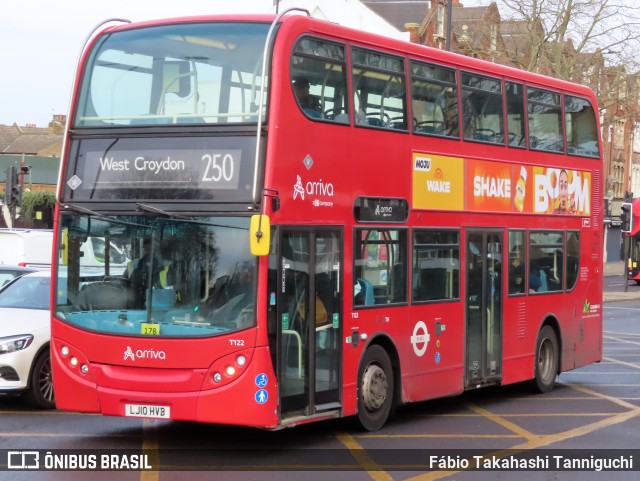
[455,183]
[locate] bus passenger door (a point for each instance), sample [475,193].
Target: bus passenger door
[310,322]
[483,357]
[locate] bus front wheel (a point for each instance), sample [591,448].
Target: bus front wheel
[546,360]
[376,385]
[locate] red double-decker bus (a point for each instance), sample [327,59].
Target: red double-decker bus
[317,222]
[630,216]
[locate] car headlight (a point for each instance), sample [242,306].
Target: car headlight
[15,343]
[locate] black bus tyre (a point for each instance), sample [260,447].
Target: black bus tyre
[546,360]
[375,388]
[40,391]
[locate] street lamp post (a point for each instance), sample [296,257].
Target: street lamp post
[449,10]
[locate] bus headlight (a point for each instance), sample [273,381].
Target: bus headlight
[227,369]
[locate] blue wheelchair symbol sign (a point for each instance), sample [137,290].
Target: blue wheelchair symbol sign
[261,380]
[261,396]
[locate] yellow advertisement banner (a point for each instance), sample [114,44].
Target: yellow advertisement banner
[453,183]
[438,182]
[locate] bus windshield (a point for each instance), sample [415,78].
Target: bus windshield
[186,277]
[193,73]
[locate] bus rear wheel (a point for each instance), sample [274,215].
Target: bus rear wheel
[376,387]
[546,360]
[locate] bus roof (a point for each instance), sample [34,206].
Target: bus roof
[364,38]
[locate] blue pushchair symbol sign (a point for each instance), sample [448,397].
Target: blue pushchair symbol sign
[261,380]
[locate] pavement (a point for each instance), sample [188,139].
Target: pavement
[614,268]
[633,291]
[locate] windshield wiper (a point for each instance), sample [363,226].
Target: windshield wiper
[108,218]
[83,210]
[155,210]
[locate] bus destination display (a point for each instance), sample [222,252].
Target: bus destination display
[200,166]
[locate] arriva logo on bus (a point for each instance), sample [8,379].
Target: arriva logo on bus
[314,191]
[143,354]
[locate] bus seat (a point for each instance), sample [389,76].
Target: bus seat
[366,288]
[190,120]
[103,296]
[163,297]
[375,122]
[313,113]
[434,127]
[150,121]
[142,122]
[342,118]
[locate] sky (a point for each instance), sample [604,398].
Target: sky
[40,41]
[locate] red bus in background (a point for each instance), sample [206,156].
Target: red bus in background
[318,222]
[631,228]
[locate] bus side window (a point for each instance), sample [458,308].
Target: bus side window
[319,80]
[379,89]
[580,125]
[517,263]
[573,258]
[436,266]
[482,109]
[546,256]
[434,100]
[515,114]
[545,120]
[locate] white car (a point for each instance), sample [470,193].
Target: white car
[25,363]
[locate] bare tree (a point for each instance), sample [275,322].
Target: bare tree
[561,30]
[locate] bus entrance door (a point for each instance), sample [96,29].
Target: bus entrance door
[484,307]
[310,322]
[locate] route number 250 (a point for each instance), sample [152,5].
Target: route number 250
[219,167]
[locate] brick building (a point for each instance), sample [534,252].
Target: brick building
[37,147]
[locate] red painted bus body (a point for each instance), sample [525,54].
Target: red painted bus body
[633,251]
[423,226]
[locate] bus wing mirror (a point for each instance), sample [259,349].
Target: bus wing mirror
[260,235]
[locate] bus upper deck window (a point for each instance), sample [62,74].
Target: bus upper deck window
[319,80]
[581,127]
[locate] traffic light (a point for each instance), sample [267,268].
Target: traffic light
[626,217]
[8,184]
[12,189]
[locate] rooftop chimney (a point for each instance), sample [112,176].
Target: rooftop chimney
[413,28]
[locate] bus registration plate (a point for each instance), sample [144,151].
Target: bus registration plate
[147,411]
